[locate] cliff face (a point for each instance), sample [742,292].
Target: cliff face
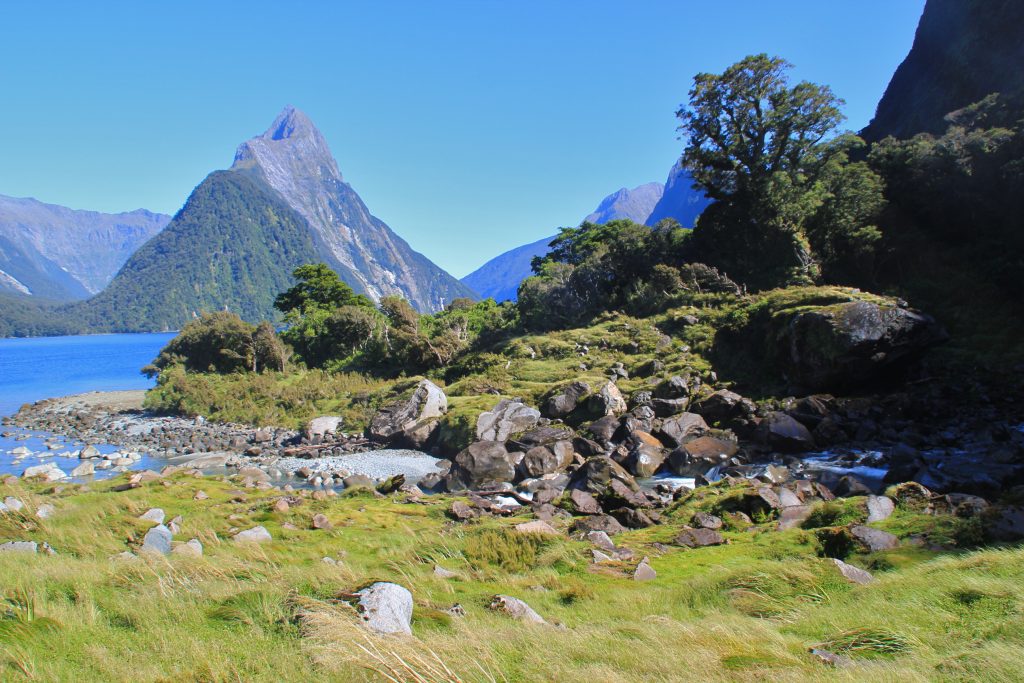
[293,158]
[963,50]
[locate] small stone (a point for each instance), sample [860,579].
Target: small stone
[201,495]
[793,516]
[281,505]
[321,522]
[515,608]
[600,539]
[699,538]
[386,608]
[537,527]
[644,571]
[194,548]
[45,511]
[84,470]
[19,547]
[13,504]
[442,573]
[257,534]
[880,508]
[155,515]
[461,511]
[874,539]
[157,540]
[705,520]
[600,557]
[853,574]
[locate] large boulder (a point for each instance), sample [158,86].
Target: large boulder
[645,455]
[783,433]
[506,419]
[698,456]
[390,423]
[386,608]
[608,401]
[676,430]
[723,405]
[547,459]
[482,465]
[598,472]
[853,343]
[561,404]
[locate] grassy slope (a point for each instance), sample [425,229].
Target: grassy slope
[529,366]
[744,611]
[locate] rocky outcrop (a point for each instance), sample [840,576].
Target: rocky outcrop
[851,344]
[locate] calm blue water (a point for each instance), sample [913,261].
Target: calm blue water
[44,367]
[38,368]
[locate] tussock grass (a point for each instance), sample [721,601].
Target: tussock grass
[745,611]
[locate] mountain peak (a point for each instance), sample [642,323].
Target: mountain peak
[292,148]
[290,123]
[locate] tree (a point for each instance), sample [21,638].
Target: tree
[221,342]
[769,155]
[317,286]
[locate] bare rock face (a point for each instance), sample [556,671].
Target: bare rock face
[292,157]
[386,608]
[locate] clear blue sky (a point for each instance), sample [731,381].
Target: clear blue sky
[469,127]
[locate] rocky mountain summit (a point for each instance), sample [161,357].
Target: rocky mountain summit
[293,158]
[54,252]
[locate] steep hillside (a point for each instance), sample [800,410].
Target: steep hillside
[233,246]
[962,52]
[55,252]
[499,278]
[679,200]
[292,157]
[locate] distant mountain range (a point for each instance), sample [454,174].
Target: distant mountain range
[61,254]
[500,277]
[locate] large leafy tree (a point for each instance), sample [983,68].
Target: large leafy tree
[771,156]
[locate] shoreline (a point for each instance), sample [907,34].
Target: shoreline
[118,418]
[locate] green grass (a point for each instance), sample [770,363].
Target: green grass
[747,610]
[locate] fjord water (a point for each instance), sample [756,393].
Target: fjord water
[37,368]
[43,367]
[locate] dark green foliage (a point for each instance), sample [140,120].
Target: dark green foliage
[317,286]
[962,192]
[595,268]
[223,343]
[326,319]
[787,202]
